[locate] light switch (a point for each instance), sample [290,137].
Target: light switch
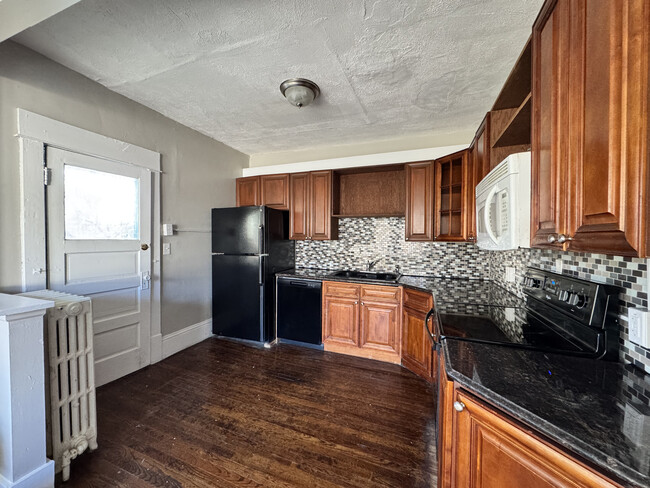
[168,230]
[510,274]
[166,248]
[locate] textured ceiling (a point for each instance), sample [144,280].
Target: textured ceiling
[386,68]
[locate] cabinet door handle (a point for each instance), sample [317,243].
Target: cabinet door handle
[459,406]
[563,238]
[433,337]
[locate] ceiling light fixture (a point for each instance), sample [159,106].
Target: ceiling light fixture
[299,91]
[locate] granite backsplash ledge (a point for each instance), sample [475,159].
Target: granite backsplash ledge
[365,239]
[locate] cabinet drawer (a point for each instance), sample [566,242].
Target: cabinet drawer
[418,300]
[381,293]
[333,288]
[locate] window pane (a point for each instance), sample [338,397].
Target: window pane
[100,205]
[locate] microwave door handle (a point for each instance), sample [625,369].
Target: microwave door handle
[486,214]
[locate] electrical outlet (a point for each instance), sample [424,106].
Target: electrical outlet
[637,321]
[510,274]
[559,265]
[167,248]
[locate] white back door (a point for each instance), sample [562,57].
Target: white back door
[98,245]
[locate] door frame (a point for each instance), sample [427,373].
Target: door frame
[35,133]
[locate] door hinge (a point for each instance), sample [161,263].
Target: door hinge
[47,176]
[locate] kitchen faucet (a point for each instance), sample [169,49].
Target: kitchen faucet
[373,262]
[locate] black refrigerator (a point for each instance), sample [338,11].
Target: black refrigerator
[249,245]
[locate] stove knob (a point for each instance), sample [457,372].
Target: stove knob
[563,296]
[577,300]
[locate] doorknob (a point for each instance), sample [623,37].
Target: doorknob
[144,247]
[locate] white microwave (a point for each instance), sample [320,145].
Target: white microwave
[503,205]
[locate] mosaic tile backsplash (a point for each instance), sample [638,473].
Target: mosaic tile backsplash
[364,239]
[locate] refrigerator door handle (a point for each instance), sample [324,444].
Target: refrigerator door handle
[261,239]
[261,270]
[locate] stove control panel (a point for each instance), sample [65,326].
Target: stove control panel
[583,300]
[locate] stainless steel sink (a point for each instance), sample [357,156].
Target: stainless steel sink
[367,276]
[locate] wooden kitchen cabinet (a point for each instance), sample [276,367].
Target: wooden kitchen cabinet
[487,450]
[269,190]
[275,191]
[323,226]
[310,213]
[419,201]
[248,191]
[417,353]
[482,161]
[590,127]
[452,182]
[362,320]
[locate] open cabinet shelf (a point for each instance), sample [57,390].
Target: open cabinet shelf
[517,129]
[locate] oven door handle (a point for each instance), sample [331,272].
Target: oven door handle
[433,337]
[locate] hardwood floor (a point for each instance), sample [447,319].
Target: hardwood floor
[223,414]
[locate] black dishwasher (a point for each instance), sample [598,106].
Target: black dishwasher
[299,311]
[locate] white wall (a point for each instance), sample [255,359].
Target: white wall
[18,15]
[398,144]
[198,172]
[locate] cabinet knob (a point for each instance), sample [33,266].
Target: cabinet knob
[459,406]
[551,238]
[356,303]
[563,238]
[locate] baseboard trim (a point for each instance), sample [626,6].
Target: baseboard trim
[41,477]
[156,348]
[184,338]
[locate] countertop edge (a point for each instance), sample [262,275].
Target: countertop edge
[574,445]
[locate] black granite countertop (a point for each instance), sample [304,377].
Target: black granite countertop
[595,409]
[445,290]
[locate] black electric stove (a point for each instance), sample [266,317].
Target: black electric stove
[560,314]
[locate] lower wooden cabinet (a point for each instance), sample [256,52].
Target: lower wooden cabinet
[479,447]
[417,353]
[362,320]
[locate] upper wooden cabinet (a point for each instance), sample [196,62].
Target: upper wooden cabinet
[590,127]
[248,191]
[362,320]
[311,206]
[323,226]
[269,190]
[481,144]
[299,213]
[275,191]
[419,201]
[439,198]
[452,185]
[370,191]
